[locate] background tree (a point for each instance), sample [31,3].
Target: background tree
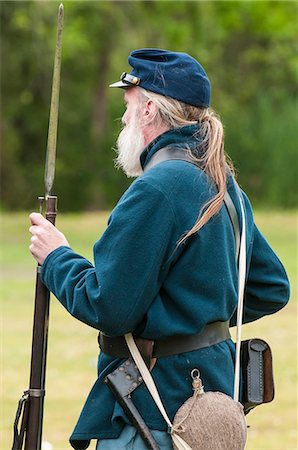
[247,48]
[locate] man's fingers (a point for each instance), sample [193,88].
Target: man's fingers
[37,219]
[36,230]
[45,237]
[32,229]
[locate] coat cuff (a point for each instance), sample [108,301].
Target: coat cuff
[50,261]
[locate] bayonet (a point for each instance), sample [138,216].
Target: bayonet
[49,174]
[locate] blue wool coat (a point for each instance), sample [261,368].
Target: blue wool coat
[141,281]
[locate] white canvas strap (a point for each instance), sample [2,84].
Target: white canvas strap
[147,377]
[241,286]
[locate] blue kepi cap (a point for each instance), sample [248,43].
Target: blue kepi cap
[173,74]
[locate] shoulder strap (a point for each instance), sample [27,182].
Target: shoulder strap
[177,153]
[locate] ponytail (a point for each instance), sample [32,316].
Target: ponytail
[214,163]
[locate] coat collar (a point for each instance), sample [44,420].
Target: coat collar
[179,137]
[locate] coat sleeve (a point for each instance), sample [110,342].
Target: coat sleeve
[267,289]
[129,261]
[267,286]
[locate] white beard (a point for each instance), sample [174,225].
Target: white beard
[130,144]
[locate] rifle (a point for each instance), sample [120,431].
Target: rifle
[30,407]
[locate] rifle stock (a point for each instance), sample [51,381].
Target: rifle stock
[32,402]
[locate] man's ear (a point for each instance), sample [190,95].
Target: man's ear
[149,112]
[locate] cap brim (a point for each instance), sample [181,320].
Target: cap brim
[120,84]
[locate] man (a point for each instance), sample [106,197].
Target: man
[165,266]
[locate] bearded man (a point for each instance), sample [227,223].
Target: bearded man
[165,268]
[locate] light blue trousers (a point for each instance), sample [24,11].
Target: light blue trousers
[129,439]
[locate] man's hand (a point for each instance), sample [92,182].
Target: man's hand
[45,237]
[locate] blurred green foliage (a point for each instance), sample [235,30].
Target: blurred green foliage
[247,48]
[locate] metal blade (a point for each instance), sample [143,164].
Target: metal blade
[54,108]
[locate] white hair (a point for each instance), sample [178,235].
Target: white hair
[130,144]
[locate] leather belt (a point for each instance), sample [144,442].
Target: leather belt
[212,333]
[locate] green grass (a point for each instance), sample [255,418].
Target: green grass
[72,350]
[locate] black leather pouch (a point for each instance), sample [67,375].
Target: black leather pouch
[257,373]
